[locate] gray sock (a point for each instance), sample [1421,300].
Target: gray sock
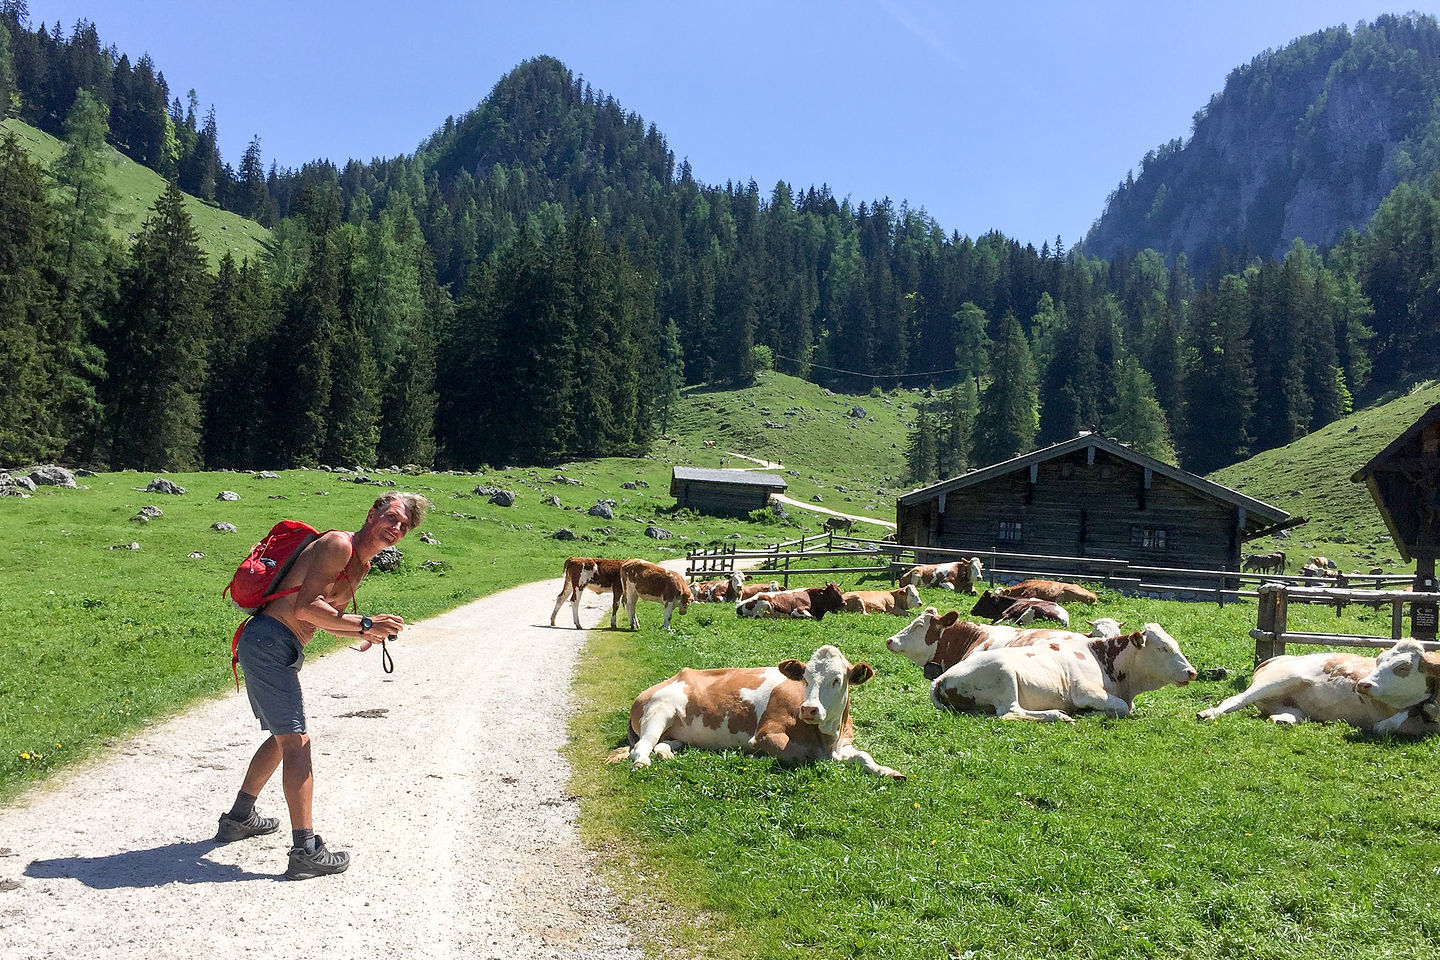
[244,806]
[304,839]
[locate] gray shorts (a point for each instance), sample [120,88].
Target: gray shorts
[271,657]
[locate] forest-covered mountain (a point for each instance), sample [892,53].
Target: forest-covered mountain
[1303,142]
[540,277]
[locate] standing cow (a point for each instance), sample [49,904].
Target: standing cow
[643,580]
[795,712]
[589,573]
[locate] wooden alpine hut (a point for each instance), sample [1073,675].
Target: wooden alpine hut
[1088,497]
[723,492]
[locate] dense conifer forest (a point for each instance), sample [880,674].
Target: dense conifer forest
[540,278]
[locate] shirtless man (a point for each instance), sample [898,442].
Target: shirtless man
[271,651]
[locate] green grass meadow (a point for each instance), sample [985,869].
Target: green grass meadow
[1152,836]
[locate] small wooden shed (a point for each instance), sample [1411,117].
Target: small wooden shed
[1088,497]
[1404,480]
[723,492]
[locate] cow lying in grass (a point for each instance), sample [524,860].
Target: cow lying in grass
[795,712]
[805,603]
[1394,693]
[1018,611]
[895,601]
[1052,680]
[752,589]
[961,575]
[1053,590]
[935,643]
[718,591]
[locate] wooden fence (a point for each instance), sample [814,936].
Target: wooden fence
[1271,632]
[890,560]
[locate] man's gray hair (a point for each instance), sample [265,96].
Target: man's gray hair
[415,506]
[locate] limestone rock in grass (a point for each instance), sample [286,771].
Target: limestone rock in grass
[161,485]
[139,518]
[53,476]
[427,538]
[82,472]
[228,495]
[603,511]
[222,526]
[629,485]
[857,413]
[658,533]
[433,565]
[267,475]
[277,496]
[10,490]
[195,555]
[132,545]
[360,478]
[151,511]
[816,497]
[503,498]
[387,560]
[387,483]
[551,501]
[642,484]
[564,533]
[16,483]
[484,491]
[561,478]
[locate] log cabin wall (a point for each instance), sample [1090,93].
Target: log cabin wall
[722,499]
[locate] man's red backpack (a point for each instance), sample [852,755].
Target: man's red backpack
[262,571]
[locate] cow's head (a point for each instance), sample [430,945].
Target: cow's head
[1159,658]
[1400,678]
[909,597]
[977,570]
[737,580]
[917,641]
[1105,627]
[827,678]
[991,605]
[827,600]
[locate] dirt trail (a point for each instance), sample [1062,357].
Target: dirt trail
[834,513]
[443,780]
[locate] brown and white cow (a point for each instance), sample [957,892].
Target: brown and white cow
[795,712]
[643,580]
[1050,681]
[895,601]
[1264,562]
[752,589]
[589,573]
[1373,694]
[935,643]
[962,575]
[1105,627]
[1053,590]
[804,603]
[717,591]
[1018,611]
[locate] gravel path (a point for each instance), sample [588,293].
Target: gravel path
[443,780]
[834,513]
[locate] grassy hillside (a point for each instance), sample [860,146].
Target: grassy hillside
[139,187]
[1311,477]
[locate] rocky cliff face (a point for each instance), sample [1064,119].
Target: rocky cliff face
[1302,142]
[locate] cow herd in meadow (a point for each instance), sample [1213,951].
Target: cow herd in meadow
[1012,668]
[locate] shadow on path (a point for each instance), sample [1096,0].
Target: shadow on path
[172,863]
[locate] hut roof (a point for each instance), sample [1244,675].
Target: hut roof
[744,478]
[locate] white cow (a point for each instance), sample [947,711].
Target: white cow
[1373,694]
[796,712]
[1045,681]
[1105,627]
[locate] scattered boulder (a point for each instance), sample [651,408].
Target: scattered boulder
[503,498]
[857,413]
[139,518]
[153,512]
[561,478]
[195,555]
[17,483]
[629,485]
[10,490]
[433,565]
[603,511]
[53,476]
[267,475]
[564,533]
[551,501]
[223,527]
[360,478]
[161,485]
[229,496]
[642,484]
[387,560]
[427,538]
[132,545]
[658,533]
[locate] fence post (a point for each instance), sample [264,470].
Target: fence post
[1265,623]
[785,583]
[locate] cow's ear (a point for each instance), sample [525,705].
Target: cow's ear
[793,669]
[932,670]
[949,618]
[861,672]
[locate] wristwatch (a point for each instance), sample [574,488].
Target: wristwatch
[365,624]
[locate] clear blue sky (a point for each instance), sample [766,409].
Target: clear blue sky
[1018,116]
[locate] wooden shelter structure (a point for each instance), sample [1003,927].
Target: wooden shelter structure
[723,492]
[1089,497]
[1404,480]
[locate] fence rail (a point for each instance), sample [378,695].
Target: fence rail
[1271,633]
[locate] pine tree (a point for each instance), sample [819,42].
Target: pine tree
[972,343]
[352,409]
[1221,379]
[160,331]
[9,90]
[956,427]
[251,199]
[1135,416]
[922,449]
[670,376]
[81,273]
[27,419]
[1008,416]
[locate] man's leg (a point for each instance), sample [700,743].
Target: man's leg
[297,777]
[262,767]
[242,821]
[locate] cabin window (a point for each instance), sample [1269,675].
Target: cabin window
[1008,531]
[1155,539]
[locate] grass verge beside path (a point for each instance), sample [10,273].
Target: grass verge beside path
[1153,836]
